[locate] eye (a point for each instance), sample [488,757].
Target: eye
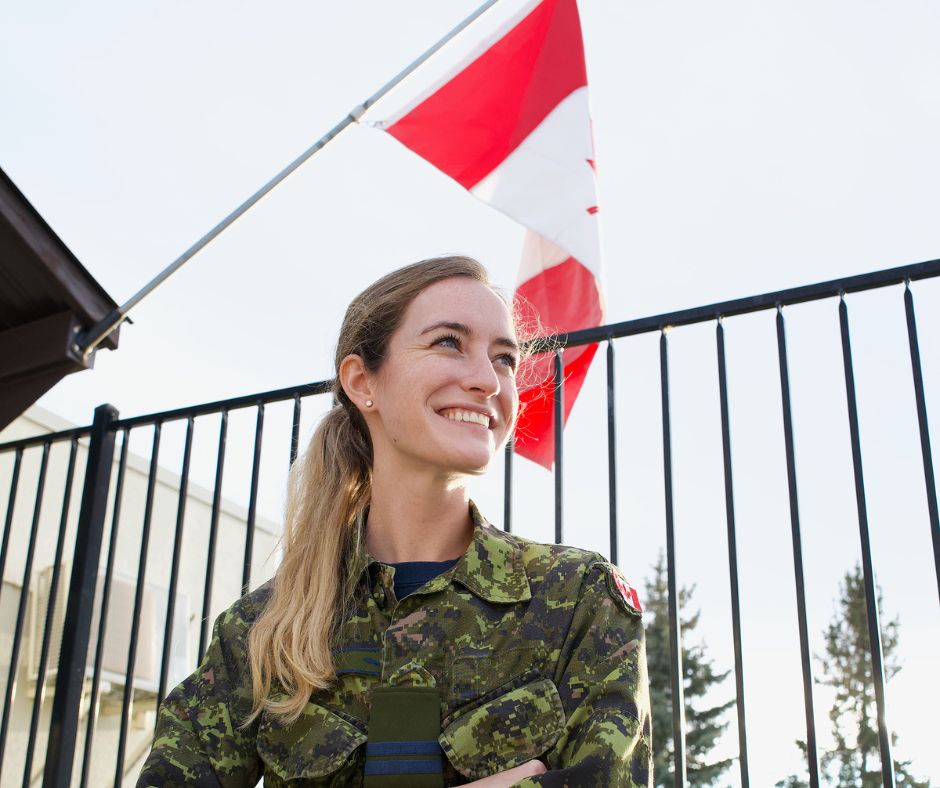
[509,360]
[448,340]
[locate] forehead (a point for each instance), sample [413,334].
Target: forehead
[459,300]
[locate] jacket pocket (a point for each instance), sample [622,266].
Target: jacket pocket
[317,744]
[479,673]
[506,731]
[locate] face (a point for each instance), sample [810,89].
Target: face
[445,397]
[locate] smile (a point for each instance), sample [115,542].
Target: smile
[468,416]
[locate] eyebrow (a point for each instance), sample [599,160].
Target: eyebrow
[463,328]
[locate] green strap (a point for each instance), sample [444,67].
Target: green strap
[403,749]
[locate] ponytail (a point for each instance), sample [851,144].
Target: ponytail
[328,490]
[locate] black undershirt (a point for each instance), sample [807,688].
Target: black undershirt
[411,575]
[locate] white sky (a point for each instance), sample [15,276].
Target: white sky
[742,147]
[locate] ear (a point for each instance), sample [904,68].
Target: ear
[355,380]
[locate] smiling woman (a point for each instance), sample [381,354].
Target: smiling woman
[445,397]
[404,641]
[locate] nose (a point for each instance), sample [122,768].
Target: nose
[480,376]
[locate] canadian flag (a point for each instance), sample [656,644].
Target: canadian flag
[511,124]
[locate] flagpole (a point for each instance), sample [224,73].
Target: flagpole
[87,341]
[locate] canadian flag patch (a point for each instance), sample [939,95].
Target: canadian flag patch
[619,587]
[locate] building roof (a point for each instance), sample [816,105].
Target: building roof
[46,296]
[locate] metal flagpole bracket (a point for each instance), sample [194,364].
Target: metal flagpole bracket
[88,340]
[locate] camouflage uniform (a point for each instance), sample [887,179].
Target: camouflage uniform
[537,650]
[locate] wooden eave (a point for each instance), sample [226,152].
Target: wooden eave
[46,296]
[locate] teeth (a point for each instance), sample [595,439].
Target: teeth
[468,415]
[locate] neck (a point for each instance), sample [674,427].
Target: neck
[417,519]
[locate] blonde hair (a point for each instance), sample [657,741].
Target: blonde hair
[329,488]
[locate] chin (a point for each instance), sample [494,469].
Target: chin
[468,457]
[472,466]
[479,471]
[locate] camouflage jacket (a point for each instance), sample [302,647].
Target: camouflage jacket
[537,650]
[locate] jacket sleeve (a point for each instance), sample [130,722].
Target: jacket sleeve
[198,741]
[602,680]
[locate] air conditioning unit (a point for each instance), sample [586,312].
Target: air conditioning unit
[117,633]
[38,604]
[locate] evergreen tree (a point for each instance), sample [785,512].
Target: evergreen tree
[703,726]
[847,668]
[795,780]
[855,761]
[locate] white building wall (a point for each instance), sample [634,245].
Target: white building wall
[193,561]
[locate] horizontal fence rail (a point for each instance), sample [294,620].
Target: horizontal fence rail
[135,526]
[742,306]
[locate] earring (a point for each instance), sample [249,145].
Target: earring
[369,403]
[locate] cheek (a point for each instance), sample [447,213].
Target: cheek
[511,399]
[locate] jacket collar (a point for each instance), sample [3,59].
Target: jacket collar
[492,567]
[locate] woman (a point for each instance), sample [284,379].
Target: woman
[399,618]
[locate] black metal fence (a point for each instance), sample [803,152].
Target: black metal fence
[74,610]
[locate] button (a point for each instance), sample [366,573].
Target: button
[379,596]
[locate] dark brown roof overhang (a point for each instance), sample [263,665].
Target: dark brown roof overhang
[46,297]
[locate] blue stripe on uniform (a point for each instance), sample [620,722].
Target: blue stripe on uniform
[416,766]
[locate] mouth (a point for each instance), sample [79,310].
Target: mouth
[467,417]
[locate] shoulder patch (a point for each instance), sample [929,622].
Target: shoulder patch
[621,590]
